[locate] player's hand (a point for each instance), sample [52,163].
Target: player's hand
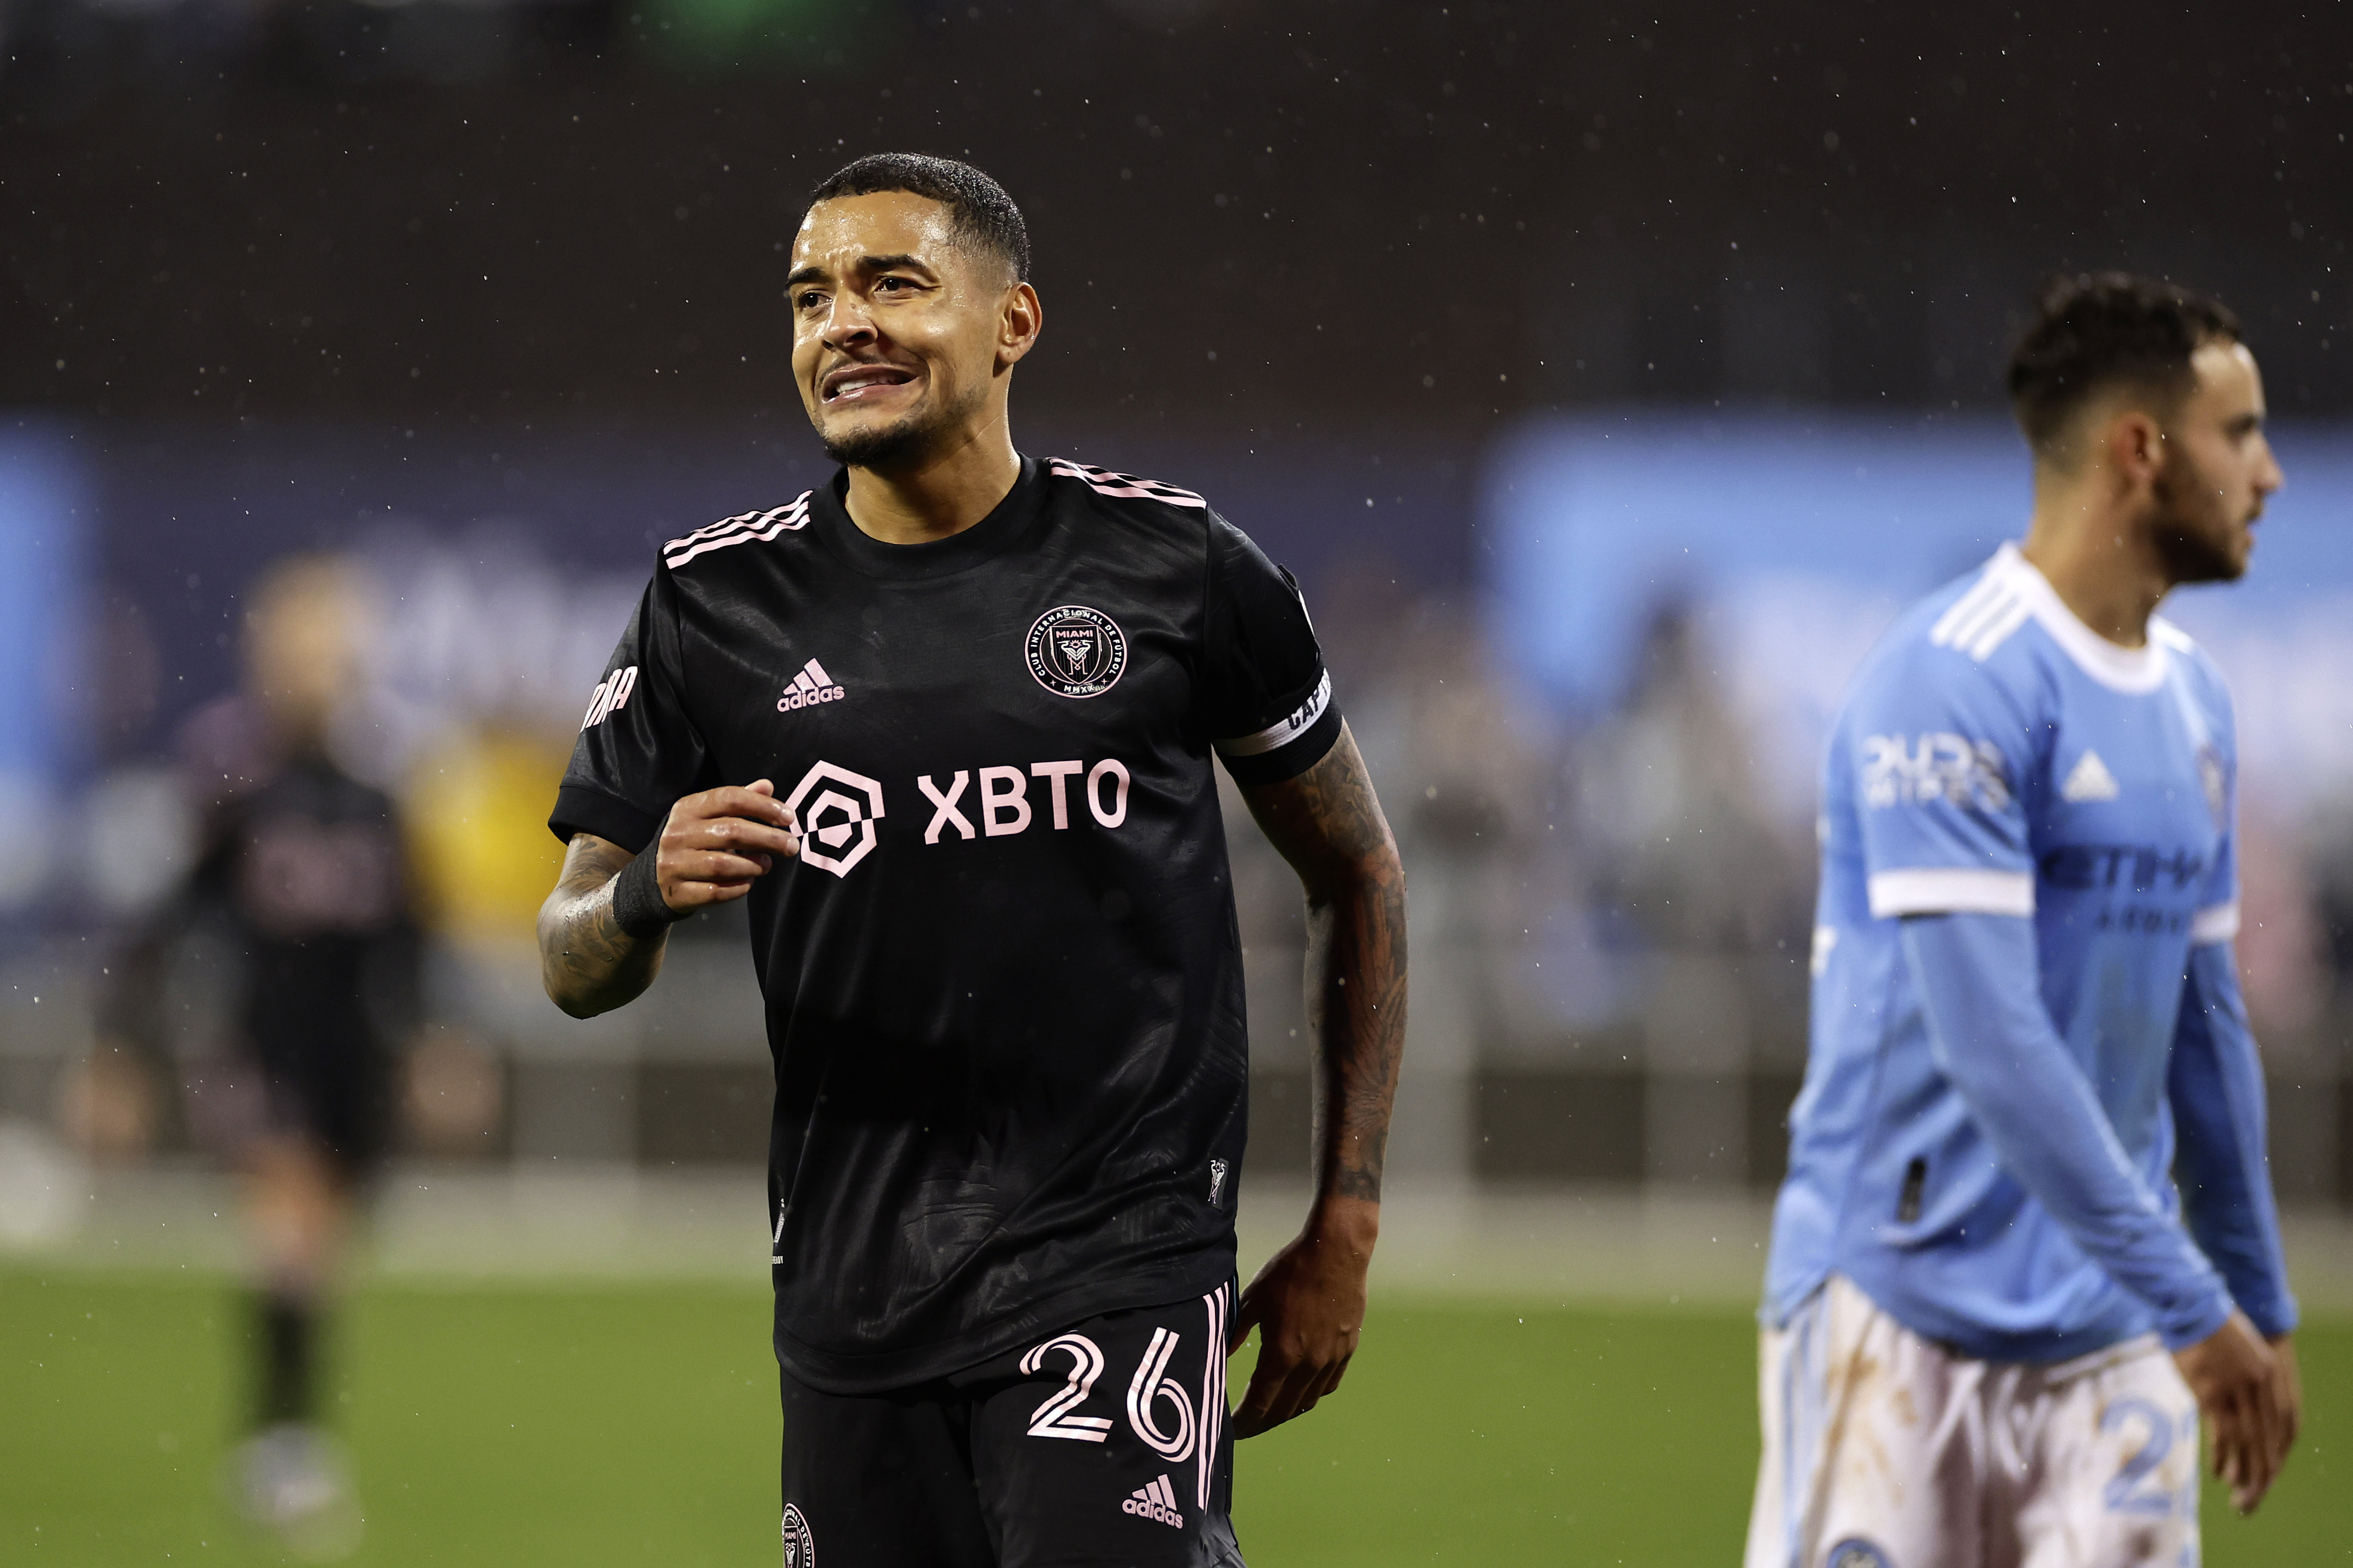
[1308,1304]
[2236,1378]
[716,844]
[2287,1385]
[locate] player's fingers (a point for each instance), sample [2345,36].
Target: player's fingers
[2291,1403]
[2230,1445]
[736,834]
[1332,1376]
[733,800]
[2263,1398]
[2276,1434]
[1248,1313]
[695,865]
[1251,1416]
[2262,1440]
[1266,1405]
[763,806]
[1300,1392]
[2256,1476]
[2217,1411]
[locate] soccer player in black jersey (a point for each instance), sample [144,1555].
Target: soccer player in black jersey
[300,915]
[947,722]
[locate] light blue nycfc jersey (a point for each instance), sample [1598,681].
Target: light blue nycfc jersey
[1997,757]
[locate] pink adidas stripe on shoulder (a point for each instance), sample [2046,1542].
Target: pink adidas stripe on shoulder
[1127,487]
[746,527]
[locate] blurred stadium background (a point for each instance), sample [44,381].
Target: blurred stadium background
[1609,380]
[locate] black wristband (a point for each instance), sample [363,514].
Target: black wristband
[637,905]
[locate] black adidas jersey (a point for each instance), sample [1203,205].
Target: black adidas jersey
[1003,982]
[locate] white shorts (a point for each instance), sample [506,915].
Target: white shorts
[1883,1450]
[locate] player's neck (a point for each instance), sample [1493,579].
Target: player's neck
[943,493]
[2099,560]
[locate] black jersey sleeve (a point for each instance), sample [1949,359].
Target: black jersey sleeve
[639,750]
[1266,698]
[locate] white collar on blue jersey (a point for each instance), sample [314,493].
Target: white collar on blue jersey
[2133,670]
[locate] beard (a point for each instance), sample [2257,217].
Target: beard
[905,443]
[2195,545]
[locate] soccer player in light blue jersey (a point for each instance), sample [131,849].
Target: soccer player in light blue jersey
[1991,1321]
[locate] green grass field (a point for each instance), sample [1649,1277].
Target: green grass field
[587,1426]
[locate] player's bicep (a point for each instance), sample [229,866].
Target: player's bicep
[1328,821]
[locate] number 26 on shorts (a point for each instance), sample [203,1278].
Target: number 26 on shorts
[1146,1391]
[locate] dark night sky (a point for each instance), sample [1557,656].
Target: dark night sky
[1373,214]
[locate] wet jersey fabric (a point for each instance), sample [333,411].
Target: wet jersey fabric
[2023,988]
[1003,981]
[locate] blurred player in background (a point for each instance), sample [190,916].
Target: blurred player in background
[274,988]
[948,724]
[1991,1323]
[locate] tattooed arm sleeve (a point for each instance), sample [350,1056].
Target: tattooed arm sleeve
[1327,824]
[589,964]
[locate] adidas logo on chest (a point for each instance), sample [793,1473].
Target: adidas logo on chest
[811,685]
[2088,780]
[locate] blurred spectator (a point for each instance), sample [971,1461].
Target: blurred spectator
[275,984]
[1686,843]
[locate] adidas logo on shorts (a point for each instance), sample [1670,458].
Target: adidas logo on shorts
[1157,1501]
[810,687]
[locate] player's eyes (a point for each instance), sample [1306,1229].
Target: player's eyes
[892,286]
[807,300]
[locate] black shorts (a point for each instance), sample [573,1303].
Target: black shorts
[338,1096]
[339,1100]
[1105,1445]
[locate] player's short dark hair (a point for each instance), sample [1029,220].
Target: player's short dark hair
[2094,331]
[979,210]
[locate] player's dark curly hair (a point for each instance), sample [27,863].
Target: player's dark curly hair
[2093,331]
[979,210]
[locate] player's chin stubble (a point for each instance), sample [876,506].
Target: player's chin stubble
[903,444]
[2195,549]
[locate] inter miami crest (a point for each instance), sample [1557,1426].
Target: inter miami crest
[1077,652]
[800,1551]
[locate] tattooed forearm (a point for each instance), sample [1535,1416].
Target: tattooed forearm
[1329,825]
[589,964]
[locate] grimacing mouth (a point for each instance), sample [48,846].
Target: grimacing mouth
[858,375]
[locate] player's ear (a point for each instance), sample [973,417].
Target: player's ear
[1018,322]
[2136,446]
